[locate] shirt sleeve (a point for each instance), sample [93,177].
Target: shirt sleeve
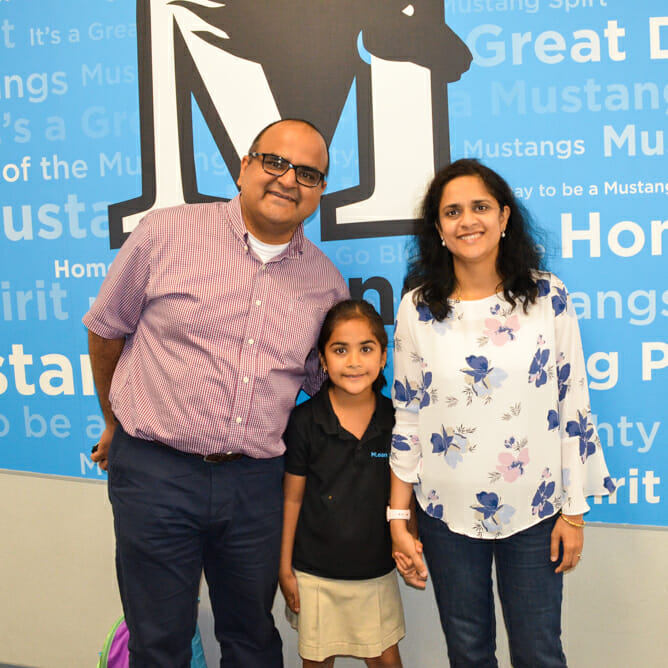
[406,452]
[315,376]
[296,445]
[120,302]
[584,471]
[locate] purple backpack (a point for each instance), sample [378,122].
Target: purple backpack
[115,653]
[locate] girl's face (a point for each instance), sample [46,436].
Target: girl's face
[471,221]
[353,357]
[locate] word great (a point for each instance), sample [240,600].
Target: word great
[551,47]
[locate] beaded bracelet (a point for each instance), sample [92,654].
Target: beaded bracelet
[573,524]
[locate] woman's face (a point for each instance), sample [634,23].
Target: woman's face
[471,222]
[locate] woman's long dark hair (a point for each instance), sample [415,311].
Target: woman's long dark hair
[431,268]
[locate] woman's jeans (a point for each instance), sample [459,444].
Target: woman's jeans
[530,592]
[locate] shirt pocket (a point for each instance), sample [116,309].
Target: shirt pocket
[296,326]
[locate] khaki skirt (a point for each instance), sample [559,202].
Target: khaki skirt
[360,618]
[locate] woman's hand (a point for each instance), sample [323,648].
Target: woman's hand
[571,538]
[289,588]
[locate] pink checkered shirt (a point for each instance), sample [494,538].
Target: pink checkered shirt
[218,344]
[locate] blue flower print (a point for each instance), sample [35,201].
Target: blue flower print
[424,314]
[403,392]
[543,287]
[424,386]
[562,379]
[608,484]
[541,500]
[537,373]
[492,514]
[552,420]
[406,394]
[584,430]
[400,442]
[435,511]
[481,376]
[440,326]
[560,301]
[452,443]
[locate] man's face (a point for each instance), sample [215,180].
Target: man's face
[273,206]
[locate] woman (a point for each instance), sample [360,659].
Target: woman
[493,426]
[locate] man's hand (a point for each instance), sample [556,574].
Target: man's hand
[290,589]
[407,553]
[101,453]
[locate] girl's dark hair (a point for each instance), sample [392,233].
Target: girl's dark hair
[431,268]
[354,309]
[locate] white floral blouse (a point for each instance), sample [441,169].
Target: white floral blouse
[493,423]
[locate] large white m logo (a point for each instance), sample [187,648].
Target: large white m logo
[247,64]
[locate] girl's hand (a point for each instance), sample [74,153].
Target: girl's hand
[407,553]
[290,589]
[571,538]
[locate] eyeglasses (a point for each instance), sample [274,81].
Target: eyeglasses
[277,166]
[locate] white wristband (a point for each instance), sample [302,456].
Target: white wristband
[397,514]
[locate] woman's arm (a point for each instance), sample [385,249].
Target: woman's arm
[293,490]
[406,455]
[583,466]
[406,549]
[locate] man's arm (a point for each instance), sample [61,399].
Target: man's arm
[104,354]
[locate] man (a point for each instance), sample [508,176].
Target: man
[200,339]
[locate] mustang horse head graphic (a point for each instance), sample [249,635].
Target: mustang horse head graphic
[247,63]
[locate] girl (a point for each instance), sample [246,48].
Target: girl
[494,430]
[336,568]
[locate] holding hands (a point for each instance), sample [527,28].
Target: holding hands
[407,553]
[406,548]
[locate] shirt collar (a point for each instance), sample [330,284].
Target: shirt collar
[238,226]
[323,415]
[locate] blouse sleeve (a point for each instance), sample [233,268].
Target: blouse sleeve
[407,394]
[584,470]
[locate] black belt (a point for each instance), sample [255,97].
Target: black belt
[221,457]
[215,458]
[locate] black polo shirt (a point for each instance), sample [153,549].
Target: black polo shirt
[342,531]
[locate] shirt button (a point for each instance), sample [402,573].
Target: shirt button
[238,420]
[251,342]
[245,379]
[246,249]
[257,302]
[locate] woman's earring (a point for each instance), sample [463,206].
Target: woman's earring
[442,242]
[503,234]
